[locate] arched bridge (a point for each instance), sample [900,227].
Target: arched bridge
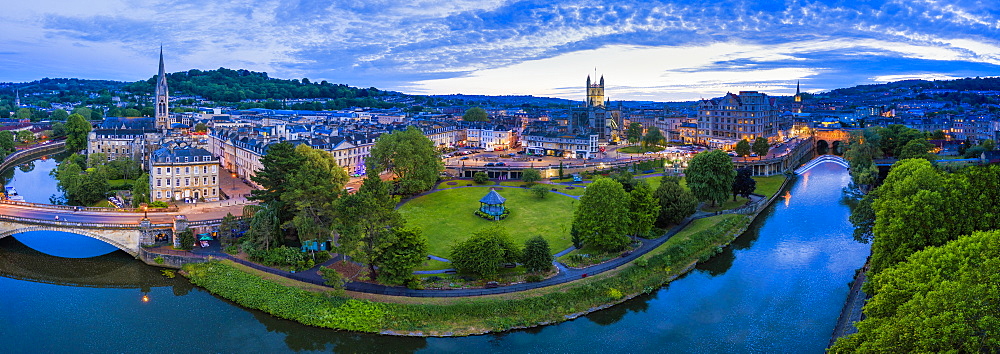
[127,237]
[822,159]
[832,141]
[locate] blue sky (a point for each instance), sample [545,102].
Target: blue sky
[647,50]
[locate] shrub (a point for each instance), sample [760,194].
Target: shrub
[615,294]
[158,204]
[530,175]
[480,177]
[186,239]
[158,260]
[533,278]
[333,278]
[540,191]
[536,256]
[279,256]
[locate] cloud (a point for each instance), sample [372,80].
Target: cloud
[651,49]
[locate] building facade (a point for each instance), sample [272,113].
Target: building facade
[184,174]
[562,145]
[725,121]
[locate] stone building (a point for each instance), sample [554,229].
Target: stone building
[723,122]
[183,173]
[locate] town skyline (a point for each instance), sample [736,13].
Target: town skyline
[660,51]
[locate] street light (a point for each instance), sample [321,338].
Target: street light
[232,182]
[145,209]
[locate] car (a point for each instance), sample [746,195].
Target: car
[464,158]
[490,164]
[500,164]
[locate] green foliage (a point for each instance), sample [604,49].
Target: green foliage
[265,229]
[602,217]
[653,137]
[480,177]
[530,175]
[398,256]
[367,220]
[278,256]
[410,156]
[309,308]
[744,184]
[59,115]
[25,136]
[917,149]
[201,127]
[77,128]
[643,209]
[226,228]
[475,114]
[626,179]
[537,257]
[988,145]
[158,204]
[540,190]
[675,202]
[863,218]
[710,176]
[186,239]
[760,146]
[82,188]
[6,143]
[743,148]
[634,132]
[140,190]
[278,166]
[158,260]
[333,278]
[58,130]
[312,191]
[485,252]
[23,113]
[941,299]
[974,152]
[892,138]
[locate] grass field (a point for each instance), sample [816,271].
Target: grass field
[446,217]
[769,185]
[639,149]
[430,264]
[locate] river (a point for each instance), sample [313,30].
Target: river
[778,288]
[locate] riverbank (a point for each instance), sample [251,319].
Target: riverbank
[697,242]
[314,305]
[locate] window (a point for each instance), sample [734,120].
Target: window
[177,170]
[157,182]
[178,182]
[168,182]
[213,179]
[187,181]
[159,194]
[213,169]
[158,171]
[187,170]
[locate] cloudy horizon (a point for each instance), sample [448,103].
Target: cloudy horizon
[656,50]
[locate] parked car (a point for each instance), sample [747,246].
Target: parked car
[501,164]
[490,164]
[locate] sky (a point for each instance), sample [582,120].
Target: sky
[646,50]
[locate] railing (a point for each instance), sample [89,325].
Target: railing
[565,165]
[7,161]
[825,158]
[210,222]
[89,225]
[76,208]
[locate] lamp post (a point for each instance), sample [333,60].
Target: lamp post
[145,210]
[232,182]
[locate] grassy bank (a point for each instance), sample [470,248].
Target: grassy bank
[465,316]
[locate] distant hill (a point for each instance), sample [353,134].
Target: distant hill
[507,100]
[966,84]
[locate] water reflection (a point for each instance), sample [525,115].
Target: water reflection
[64,244]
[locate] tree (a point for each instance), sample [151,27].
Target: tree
[974,152]
[200,127]
[475,114]
[132,112]
[537,257]
[93,187]
[744,184]
[227,230]
[23,114]
[312,191]
[910,212]
[560,170]
[58,130]
[653,137]
[140,190]
[675,202]
[410,156]
[743,148]
[937,135]
[602,217]
[643,209]
[485,252]
[710,176]
[278,165]
[366,220]
[186,239]
[539,191]
[634,132]
[77,128]
[265,229]
[893,137]
[400,254]
[626,179]
[480,177]
[97,159]
[941,299]
[917,149]
[59,115]
[530,176]
[6,143]
[988,145]
[761,146]
[863,218]
[82,111]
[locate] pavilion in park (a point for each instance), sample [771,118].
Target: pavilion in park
[492,204]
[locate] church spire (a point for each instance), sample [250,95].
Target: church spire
[162,97]
[17,98]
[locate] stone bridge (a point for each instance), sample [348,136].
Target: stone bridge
[822,159]
[126,237]
[832,141]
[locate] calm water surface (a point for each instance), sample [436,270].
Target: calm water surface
[778,288]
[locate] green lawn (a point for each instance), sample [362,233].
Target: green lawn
[694,227]
[639,149]
[103,204]
[447,217]
[769,185]
[430,264]
[654,182]
[119,183]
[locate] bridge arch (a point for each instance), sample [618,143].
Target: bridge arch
[822,159]
[822,147]
[130,250]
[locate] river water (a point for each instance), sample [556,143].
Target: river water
[778,288]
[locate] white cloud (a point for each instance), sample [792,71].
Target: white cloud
[921,76]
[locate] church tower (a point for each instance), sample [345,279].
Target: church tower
[17,99]
[595,93]
[162,98]
[798,93]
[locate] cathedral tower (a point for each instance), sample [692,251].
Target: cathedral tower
[798,93]
[162,98]
[595,93]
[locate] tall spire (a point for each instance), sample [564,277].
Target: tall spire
[162,100]
[17,98]
[797,83]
